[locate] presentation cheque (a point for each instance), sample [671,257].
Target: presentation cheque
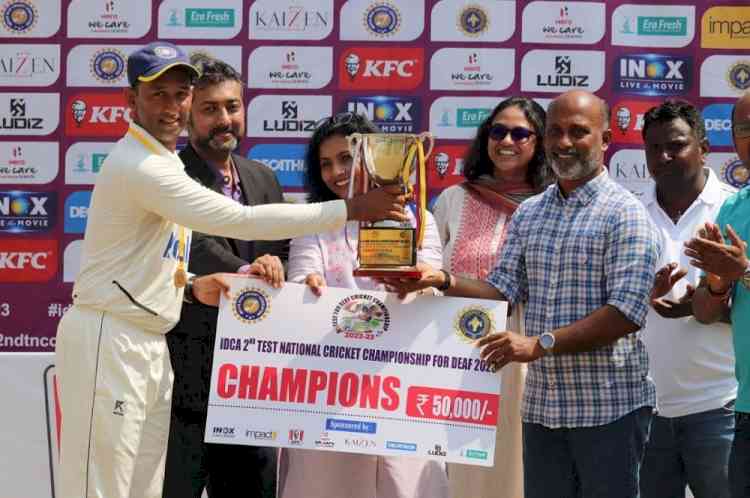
[354,371]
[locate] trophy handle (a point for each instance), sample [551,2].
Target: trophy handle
[424,137]
[355,148]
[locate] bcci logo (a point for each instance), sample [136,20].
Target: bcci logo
[473,323]
[19,16]
[361,316]
[382,19]
[250,305]
[739,76]
[473,20]
[108,65]
[735,173]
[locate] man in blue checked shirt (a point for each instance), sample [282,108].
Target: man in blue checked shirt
[581,258]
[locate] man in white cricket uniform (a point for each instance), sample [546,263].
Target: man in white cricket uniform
[112,362]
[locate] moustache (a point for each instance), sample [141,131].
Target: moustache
[218,131]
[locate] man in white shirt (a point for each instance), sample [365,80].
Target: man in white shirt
[113,367]
[692,364]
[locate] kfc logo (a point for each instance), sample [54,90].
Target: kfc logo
[627,120]
[445,166]
[27,260]
[378,69]
[97,115]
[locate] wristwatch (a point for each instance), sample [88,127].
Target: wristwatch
[745,278]
[188,295]
[547,342]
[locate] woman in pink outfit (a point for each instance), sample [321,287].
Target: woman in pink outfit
[328,259]
[504,166]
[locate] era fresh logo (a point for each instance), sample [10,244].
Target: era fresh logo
[364,68]
[653,74]
[653,25]
[27,211]
[28,260]
[627,120]
[97,115]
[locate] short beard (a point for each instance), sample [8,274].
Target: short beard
[580,169]
[210,143]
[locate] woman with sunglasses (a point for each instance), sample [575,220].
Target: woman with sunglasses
[329,259]
[504,165]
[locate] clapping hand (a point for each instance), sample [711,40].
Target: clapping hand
[664,281]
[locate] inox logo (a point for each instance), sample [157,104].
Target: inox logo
[640,68]
[368,109]
[36,209]
[384,68]
[223,431]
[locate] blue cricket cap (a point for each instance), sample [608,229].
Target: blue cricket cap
[153,60]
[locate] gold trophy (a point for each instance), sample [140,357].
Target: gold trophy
[389,248]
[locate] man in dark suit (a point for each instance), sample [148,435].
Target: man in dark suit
[217,123]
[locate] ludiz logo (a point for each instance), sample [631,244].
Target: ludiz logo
[27,211]
[564,76]
[653,74]
[28,260]
[290,119]
[365,68]
[390,114]
[18,118]
[102,114]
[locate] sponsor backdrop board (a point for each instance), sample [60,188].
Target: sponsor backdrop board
[410,65]
[371,374]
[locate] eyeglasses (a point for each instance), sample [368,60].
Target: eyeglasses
[742,130]
[518,134]
[340,119]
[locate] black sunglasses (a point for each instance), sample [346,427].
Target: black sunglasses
[518,134]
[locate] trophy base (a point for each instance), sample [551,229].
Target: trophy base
[397,272]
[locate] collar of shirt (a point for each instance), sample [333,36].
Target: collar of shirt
[710,195]
[149,142]
[582,195]
[219,175]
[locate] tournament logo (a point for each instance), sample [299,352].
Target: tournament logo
[652,74]
[389,114]
[735,173]
[108,65]
[738,75]
[361,316]
[366,68]
[474,322]
[27,211]
[251,305]
[382,19]
[473,20]
[19,16]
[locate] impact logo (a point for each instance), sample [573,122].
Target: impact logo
[28,260]
[77,211]
[97,115]
[717,119]
[473,323]
[473,20]
[390,114]
[364,68]
[107,65]
[627,120]
[19,16]
[382,19]
[726,27]
[652,74]
[261,435]
[738,75]
[361,316]
[251,305]
[27,211]
[735,173]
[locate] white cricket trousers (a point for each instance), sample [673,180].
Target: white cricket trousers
[115,385]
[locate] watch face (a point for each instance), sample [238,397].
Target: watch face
[745,279]
[547,341]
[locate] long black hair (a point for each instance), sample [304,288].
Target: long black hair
[339,125]
[477,160]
